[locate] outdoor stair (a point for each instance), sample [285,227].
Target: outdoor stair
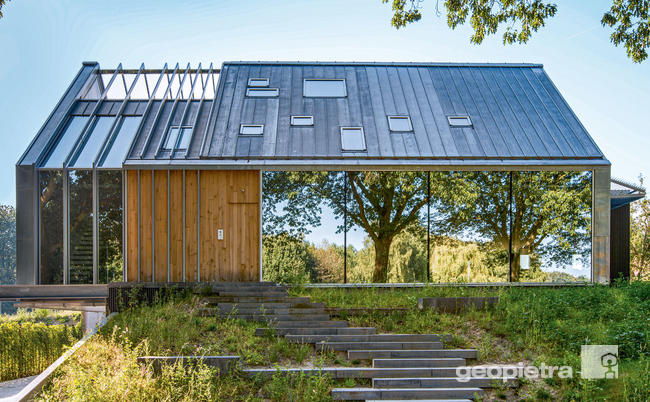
[402,366]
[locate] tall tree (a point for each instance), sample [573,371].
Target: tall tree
[550,212]
[381,203]
[7,245]
[629,19]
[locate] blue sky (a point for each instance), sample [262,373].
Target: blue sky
[42,45]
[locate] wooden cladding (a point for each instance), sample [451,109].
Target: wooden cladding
[174,221]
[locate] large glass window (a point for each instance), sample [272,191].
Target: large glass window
[63,147]
[51,221]
[122,142]
[81,226]
[94,142]
[109,219]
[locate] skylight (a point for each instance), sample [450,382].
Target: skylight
[459,121]
[258,82]
[262,92]
[324,88]
[251,129]
[399,123]
[302,120]
[185,134]
[352,139]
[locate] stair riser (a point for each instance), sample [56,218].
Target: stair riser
[317,331]
[345,346]
[247,305]
[364,338]
[418,354]
[439,383]
[412,363]
[278,311]
[342,373]
[309,324]
[214,300]
[433,393]
[274,317]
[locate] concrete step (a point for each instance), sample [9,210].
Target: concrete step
[269,305]
[268,311]
[345,394]
[276,317]
[419,400]
[360,372]
[317,331]
[397,354]
[213,300]
[441,382]
[345,346]
[406,363]
[309,324]
[365,338]
[260,293]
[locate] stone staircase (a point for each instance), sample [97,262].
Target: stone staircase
[400,366]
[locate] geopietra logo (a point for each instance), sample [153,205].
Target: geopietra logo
[599,361]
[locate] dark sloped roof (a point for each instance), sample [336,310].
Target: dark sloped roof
[515,110]
[518,116]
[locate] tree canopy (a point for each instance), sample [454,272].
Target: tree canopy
[7,245]
[629,20]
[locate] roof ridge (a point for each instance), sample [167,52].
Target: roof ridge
[382,63]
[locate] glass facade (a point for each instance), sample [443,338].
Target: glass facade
[80,233]
[51,230]
[109,220]
[81,226]
[454,227]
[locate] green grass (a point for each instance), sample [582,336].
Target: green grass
[529,324]
[532,325]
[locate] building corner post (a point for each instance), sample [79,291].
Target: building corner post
[601,225]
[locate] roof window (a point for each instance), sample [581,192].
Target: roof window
[352,139]
[459,121]
[324,88]
[185,134]
[262,92]
[251,129]
[399,123]
[258,82]
[302,120]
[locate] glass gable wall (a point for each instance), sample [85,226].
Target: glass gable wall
[94,246]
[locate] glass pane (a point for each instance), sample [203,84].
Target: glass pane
[470,226]
[71,132]
[552,229]
[122,142]
[388,210]
[324,88]
[352,139]
[51,230]
[262,92]
[94,142]
[303,227]
[459,121]
[250,129]
[81,226]
[399,123]
[109,220]
[186,136]
[172,135]
[258,82]
[302,120]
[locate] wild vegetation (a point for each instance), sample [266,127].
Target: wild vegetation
[31,341]
[528,325]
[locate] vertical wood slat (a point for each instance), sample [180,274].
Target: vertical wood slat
[160,225]
[176,225]
[191,225]
[132,225]
[145,219]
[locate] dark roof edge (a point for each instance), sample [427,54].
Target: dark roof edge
[380,63]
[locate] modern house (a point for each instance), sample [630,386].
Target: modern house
[157,173]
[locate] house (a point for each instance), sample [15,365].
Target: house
[157,172]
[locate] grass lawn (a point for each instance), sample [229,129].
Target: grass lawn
[531,325]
